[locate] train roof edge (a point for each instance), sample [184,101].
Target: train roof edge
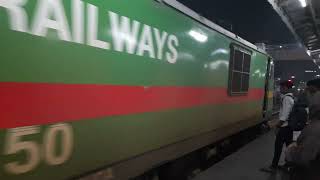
[189,12]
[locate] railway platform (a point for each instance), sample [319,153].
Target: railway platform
[245,164]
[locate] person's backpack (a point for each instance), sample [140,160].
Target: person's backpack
[298,116]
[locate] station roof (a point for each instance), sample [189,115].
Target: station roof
[288,52]
[303,19]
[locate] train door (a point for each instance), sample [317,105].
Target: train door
[269,87]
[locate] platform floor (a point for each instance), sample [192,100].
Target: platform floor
[245,164]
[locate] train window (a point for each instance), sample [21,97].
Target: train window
[238,56]
[239,76]
[236,82]
[245,83]
[246,63]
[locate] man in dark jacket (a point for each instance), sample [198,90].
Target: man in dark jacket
[314,99]
[307,148]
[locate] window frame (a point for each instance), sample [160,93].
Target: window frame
[233,48]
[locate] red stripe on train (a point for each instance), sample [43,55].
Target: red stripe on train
[25,104]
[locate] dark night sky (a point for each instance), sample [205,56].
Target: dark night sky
[253,20]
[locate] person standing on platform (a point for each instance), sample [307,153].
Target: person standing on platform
[314,99]
[307,148]
[284,133]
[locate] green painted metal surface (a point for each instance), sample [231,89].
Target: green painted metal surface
[99,142]
[49,59]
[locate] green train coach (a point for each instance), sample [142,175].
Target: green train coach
[112,89]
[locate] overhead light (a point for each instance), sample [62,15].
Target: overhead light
[198,36]
[293,77]
[280,46]
[318,75]
[309,52]
[303,3]
[308,71]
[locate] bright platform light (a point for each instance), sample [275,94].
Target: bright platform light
[198,36]
[303,3]
[309,52]
[308,71]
